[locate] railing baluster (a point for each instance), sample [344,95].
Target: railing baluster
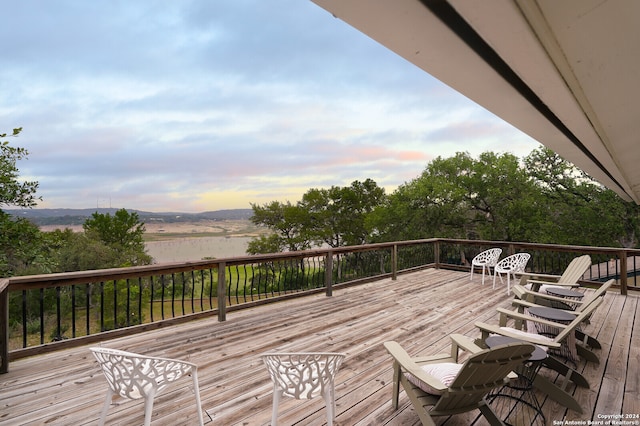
[152,297]
[25,331]
[128,313]
[58,335]
[139,318]
[88,307]
[73,311]
[173,295]
[42,316]
[162,284]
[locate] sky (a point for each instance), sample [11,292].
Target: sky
[200,105]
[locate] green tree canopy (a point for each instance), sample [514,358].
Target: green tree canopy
[290,224]
[338,214]
[123,232]
[21,250]
[14,192]
[334,216]
[491,197]
[577,209]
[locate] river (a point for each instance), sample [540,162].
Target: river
[196,248]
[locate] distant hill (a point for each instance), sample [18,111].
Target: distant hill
[42,217]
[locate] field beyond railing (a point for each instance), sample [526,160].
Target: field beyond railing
[42,313]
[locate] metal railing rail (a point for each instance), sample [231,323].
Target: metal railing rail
[42,313]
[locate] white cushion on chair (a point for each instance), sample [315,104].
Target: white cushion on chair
[445,372]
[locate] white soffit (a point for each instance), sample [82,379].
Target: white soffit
[562,71]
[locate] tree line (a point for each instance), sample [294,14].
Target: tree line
[541,199]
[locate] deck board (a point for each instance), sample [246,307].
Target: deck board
[419,310]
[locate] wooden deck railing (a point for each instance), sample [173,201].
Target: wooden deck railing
[42,313]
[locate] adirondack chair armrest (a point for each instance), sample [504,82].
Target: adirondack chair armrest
[521,304]
[461,342]
[536,284]
[406,364]
[547,278]
[518,316]
[488,330]
[531,296]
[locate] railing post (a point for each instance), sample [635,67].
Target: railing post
[4,330]
[623,272]
[222,290]
[394,262]
[436,253]
[328,273]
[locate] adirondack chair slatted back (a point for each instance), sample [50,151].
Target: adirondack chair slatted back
[482,372]
[598,294]
[570,328]
[575,269]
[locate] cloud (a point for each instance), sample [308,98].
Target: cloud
[203,105]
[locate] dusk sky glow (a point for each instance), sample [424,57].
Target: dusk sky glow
[205,105]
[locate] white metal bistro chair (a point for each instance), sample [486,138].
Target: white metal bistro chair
[303,375]
[487,259]
[510,265]
[134,376]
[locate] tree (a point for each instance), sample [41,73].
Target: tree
[123,232]
[578,209]
[20,241]
[22,251]
[290,224]
[12,191]
[75,251]
[461,197]
[339,213]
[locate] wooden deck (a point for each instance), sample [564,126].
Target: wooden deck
[419,311]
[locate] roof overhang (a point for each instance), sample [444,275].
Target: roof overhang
[563,72]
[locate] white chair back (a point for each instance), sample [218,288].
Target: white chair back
[303,375]
[486,259]
[134,376]
[510,265]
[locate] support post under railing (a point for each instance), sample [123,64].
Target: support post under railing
[4,329]
[623,272]
[222,292]
[436,253]
[328,272]
[394,262]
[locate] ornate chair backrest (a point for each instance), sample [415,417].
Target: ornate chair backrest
[514,263]
[134,376]
[488,257]
[303,375]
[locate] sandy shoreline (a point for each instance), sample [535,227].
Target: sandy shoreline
[188,241]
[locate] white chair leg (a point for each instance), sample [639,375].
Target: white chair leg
[148,409]
[494,278]
[276,402]
[196,391]
[330,402]
[471,279]
[105,408]
[483,266]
